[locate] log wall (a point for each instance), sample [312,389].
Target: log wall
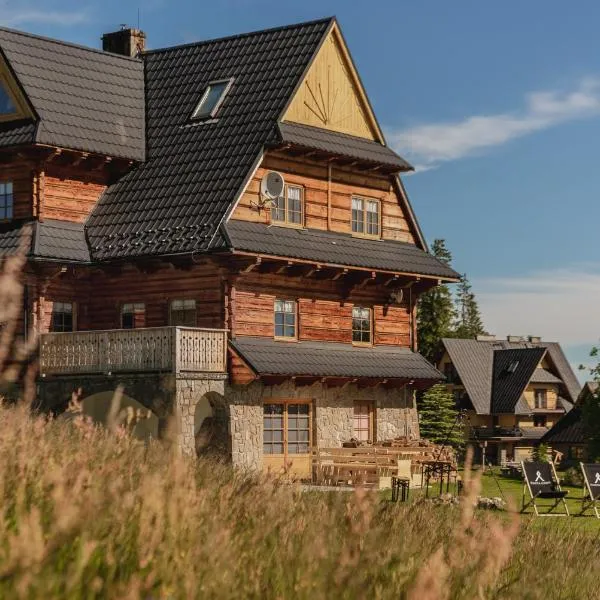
[22,176]
[322,313]
[313,177]
[70,194]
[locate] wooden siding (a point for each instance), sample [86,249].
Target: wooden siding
[99,296]
[312,176]
[22,176]
[70,194]
[322,315]
[331,96]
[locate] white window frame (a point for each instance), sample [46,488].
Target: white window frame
[364,222]
[286,203]
[200,114]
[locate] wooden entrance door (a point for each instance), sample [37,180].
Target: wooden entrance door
[363,421]
[287,436]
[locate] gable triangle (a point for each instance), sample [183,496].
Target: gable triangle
[13,103]
[331,95]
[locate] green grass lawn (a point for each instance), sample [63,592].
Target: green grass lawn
[494,485]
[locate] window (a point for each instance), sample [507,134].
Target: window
[363,421]
[183,312]
[286,428]
[539,420]
[576,453]
[540,399]
[7,105]
[365,216]
[133,315]
[361,325]
[6,200]
[288,208]
[212,98]
[285,319]
[62,317]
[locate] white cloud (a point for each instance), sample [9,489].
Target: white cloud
[25,13]
[559,305]
[431,144]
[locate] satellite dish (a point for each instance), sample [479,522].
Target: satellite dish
[396,296]
[271,186]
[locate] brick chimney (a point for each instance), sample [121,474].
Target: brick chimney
[127,41]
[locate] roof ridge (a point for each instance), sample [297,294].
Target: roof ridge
[70,44]
[240,35]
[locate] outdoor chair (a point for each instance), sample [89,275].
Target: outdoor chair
[591,487]
[541,481]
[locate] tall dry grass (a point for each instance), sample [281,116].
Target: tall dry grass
[87,512]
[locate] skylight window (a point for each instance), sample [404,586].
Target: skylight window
[7,106]
[211,100]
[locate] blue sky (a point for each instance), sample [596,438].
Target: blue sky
[497,104]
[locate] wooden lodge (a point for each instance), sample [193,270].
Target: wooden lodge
[221,229]
[512,391]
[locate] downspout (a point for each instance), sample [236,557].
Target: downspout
[329,196]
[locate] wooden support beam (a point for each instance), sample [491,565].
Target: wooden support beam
[284,268]
[368,279]
[392,279]
[257,262]
[314,269]
[339,274]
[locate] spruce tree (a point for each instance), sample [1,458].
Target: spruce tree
[435,310]
[437,417]
[591,414]
[468,317]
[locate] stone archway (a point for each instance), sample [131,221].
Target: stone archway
[97,407]
[211,427]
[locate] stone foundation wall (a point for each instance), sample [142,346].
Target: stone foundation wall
[333,415]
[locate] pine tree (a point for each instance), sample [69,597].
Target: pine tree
[438,417]
[435,311]
[591,414]
[468,318]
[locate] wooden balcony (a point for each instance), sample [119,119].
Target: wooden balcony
[163,349]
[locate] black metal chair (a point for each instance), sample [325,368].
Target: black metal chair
[541,481]
[591,487]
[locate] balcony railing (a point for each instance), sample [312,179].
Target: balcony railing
[483,433]
[175,349]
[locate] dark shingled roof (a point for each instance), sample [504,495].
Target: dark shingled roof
[60,240]
[85,99]
[51,240]
[16,133]
[175,202]
[568,430]
[544,376]
[342,144]
[473,360]
[326,359]
[336,248]
[511,373]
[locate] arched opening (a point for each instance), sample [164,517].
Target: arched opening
[211,426]
[97,407]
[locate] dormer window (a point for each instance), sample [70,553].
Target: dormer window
[212,98]
[7,105]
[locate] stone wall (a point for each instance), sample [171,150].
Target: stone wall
[333,415]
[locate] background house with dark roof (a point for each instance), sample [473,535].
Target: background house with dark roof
[221,228]
[568,434]
[513,391]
